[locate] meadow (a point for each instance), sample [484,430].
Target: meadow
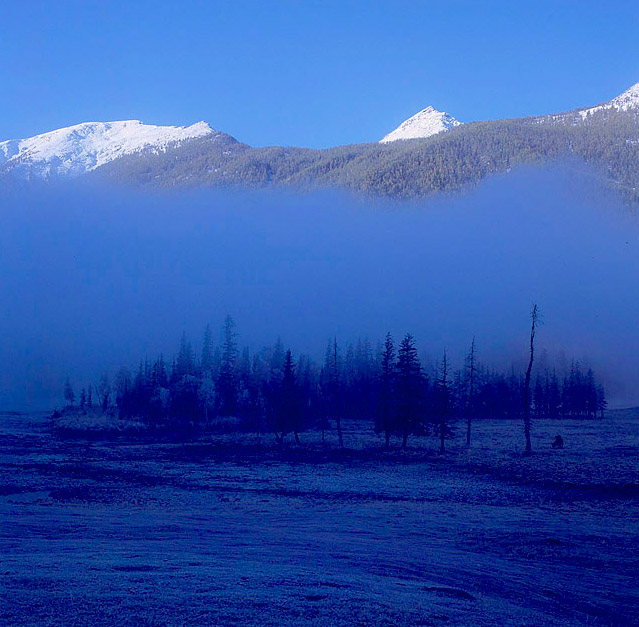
[223,530]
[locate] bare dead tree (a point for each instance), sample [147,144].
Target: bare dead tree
[534,317]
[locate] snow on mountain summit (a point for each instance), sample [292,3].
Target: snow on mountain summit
[626,101]
[427,122]
[81,148]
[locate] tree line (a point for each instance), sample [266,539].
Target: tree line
[271,391]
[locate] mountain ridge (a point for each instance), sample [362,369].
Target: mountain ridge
[86,146]
[605,137]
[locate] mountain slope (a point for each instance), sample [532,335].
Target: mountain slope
[81,148]
[424,124]
[606,137]
[627,101]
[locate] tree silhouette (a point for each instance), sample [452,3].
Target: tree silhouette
[69,394]
[534,316]
[227,379]
[206,358]
[332,387]
[410,381]
[443,402]
[386,399]
[267,388]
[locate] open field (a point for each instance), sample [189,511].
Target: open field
[121,533]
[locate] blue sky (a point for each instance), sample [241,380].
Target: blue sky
[307,72]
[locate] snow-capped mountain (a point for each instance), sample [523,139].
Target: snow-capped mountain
[605,136]
[84,147]
[626,101]
[427,122]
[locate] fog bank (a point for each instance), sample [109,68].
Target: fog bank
[91,280]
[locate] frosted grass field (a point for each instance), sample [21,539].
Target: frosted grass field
[117,533]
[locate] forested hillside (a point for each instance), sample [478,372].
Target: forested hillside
[607,140]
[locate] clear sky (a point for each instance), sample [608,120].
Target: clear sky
[313,73]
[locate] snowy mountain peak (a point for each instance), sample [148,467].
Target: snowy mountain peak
[83,147]
[627,101]
[427,122]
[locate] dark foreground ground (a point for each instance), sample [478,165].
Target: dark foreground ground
[116,533]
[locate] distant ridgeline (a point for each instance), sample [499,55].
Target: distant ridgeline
[429,152]
[271,392]
[463,156]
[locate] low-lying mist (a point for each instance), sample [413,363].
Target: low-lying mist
[91,280]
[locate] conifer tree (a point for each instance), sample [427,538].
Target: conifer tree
[291,414]
[331,387]
[69,395]
[336,392]
[410,381]
[206,358]
[227,378]
[386,399]
[553,396]
[185,359]
[443,403]
[602,403]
